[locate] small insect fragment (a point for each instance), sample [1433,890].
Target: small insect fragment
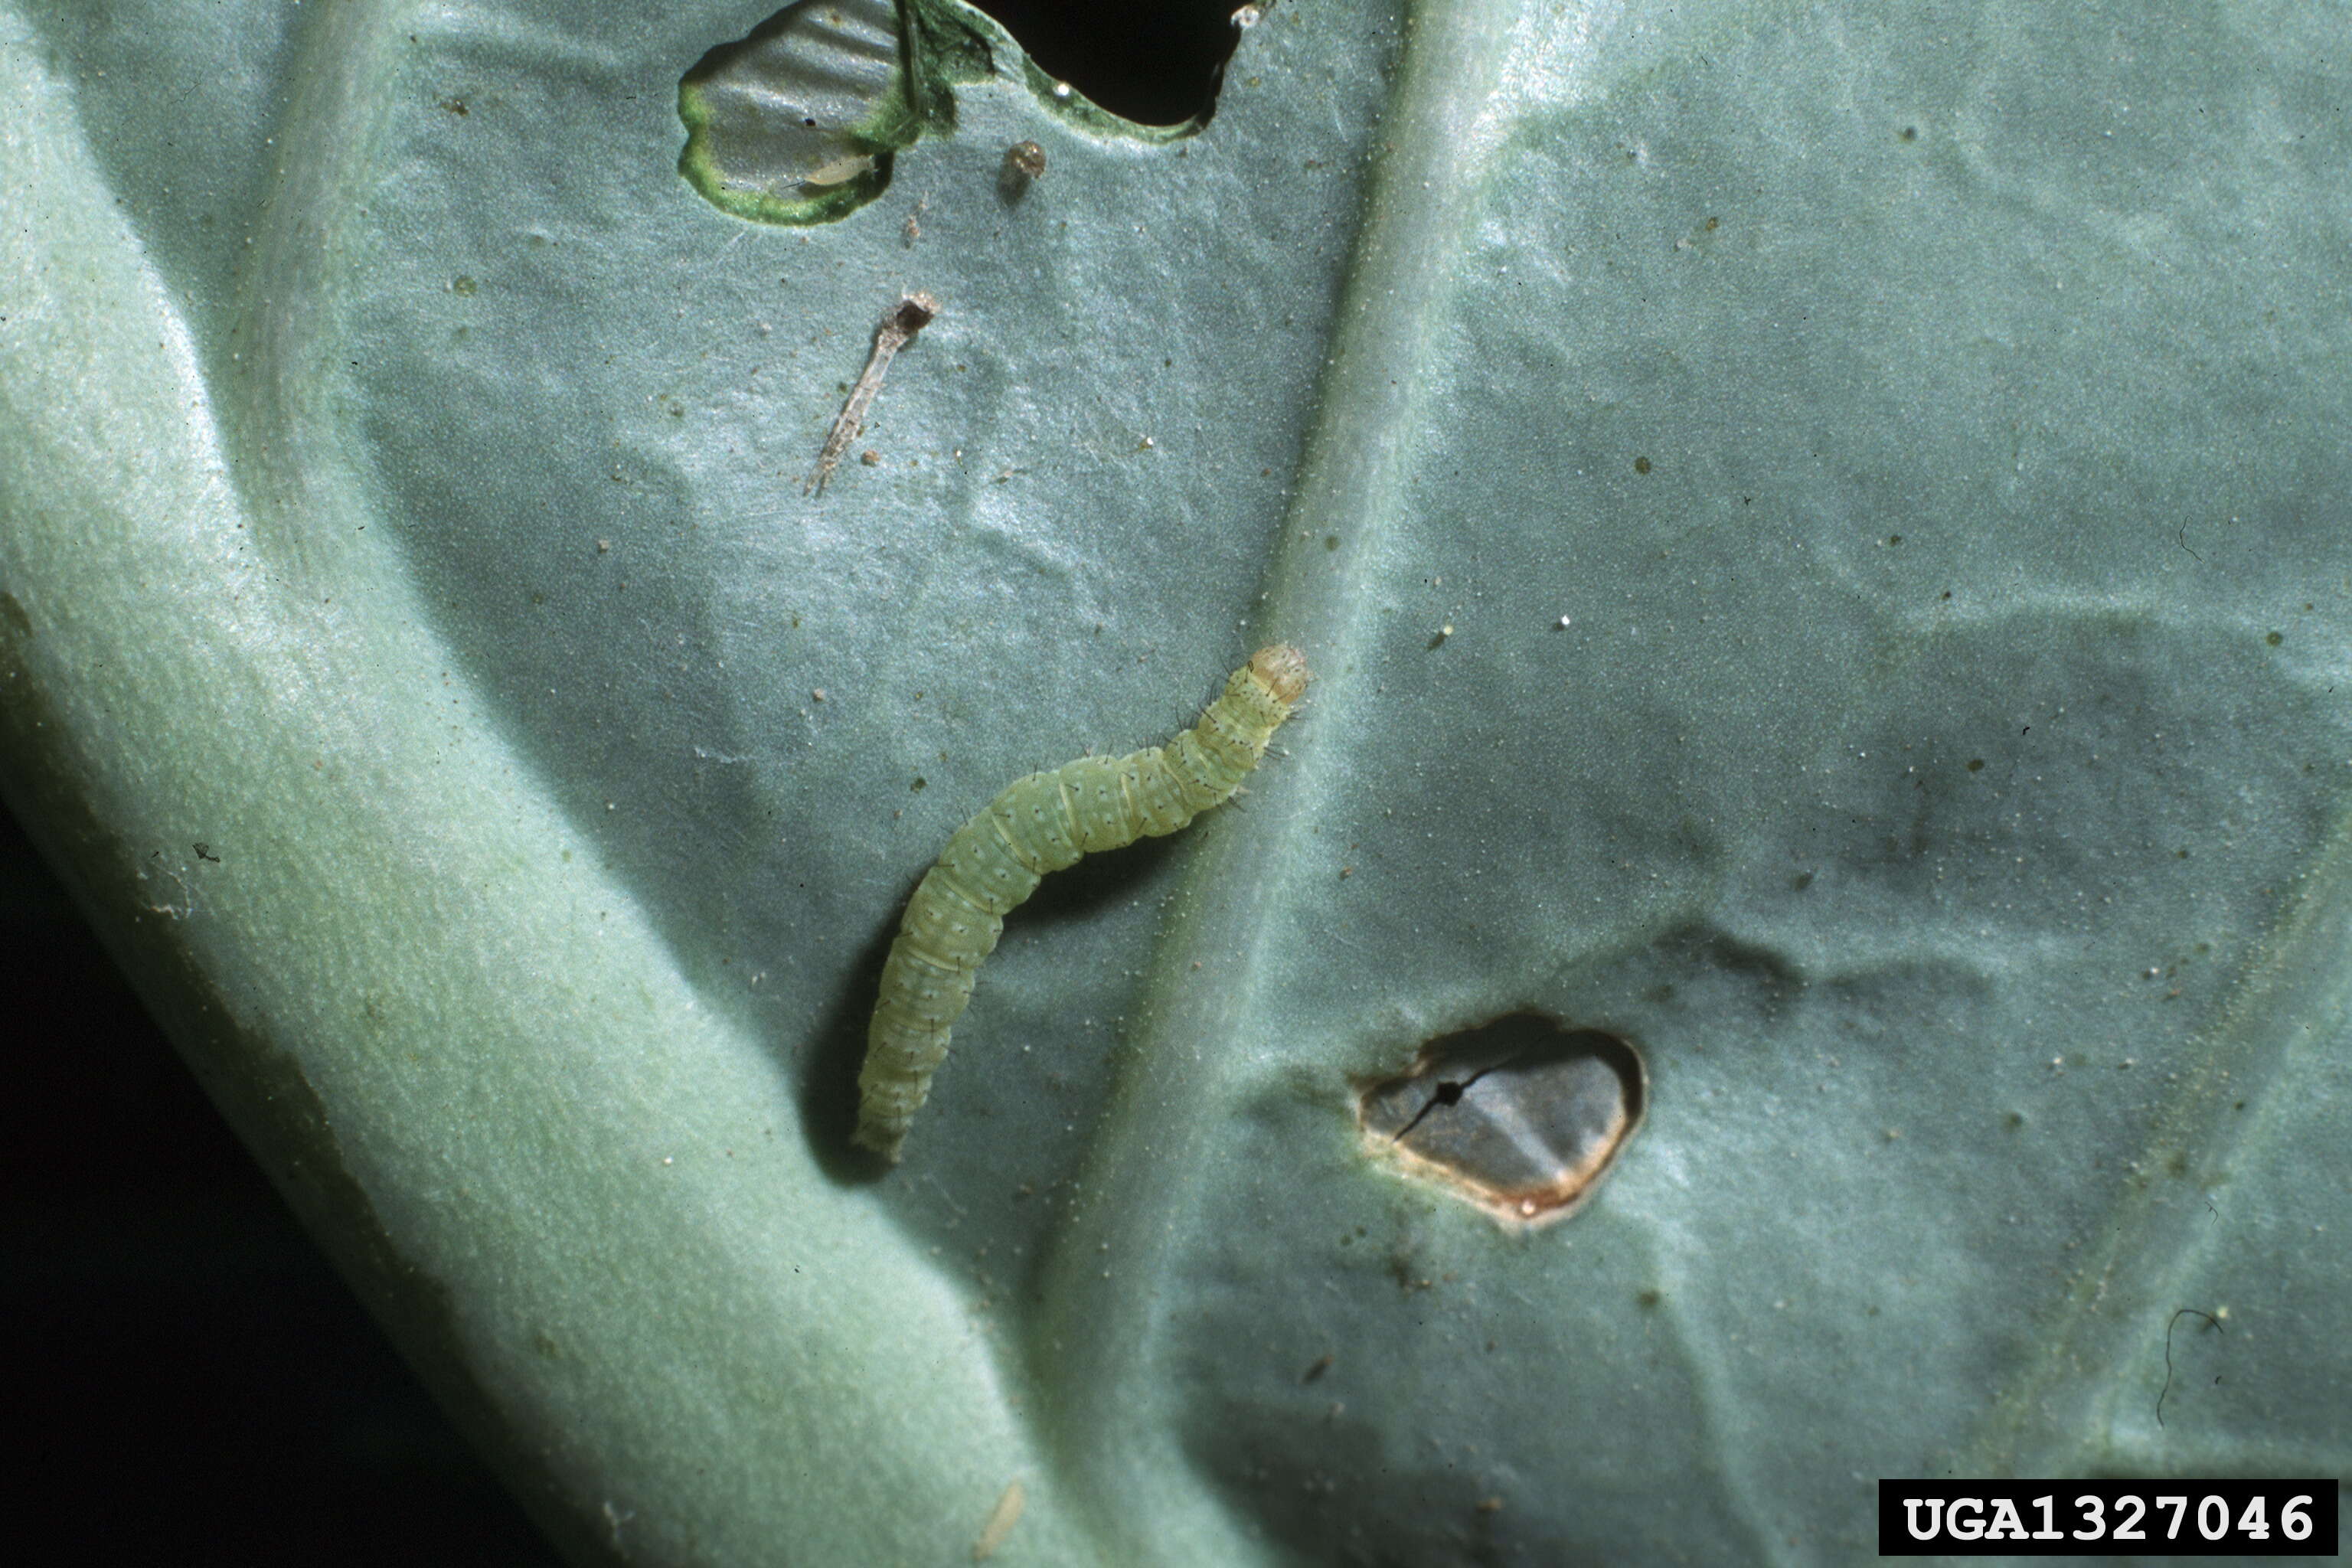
[1247,17]
[1024,162]
[909,316]
[839,171]
[1001,1520]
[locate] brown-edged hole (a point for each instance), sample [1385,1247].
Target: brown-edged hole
[1521,1117]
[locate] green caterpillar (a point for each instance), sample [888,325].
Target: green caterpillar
[1044,823]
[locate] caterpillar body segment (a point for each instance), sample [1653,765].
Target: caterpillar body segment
[1040,824]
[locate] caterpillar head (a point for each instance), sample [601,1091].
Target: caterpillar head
[1283,671]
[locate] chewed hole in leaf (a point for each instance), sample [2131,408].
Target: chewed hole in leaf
[795,122]
[1155,62]
[1521,1117]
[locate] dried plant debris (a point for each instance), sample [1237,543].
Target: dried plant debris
[1521,1117]
[910,315]
[795,122]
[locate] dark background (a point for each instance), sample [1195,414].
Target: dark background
[189,1379]
[1152,60]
